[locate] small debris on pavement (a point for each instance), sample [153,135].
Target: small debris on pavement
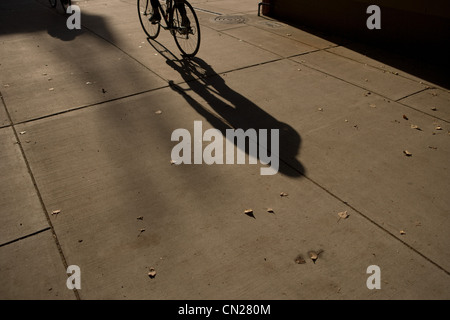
[407,153]
[173,162]
[270,210]
[55,212]
[405,117]
[140,218]
[158,112]
[372,105]
[249,212]
[314,255]
[438,128]
[433,108]
[283,194]
[300,260]
[343,215]
[402,232]
[413,126]
[22,132]
[88,83]
[320,109]
[51,89]
[152,273]
[431,147]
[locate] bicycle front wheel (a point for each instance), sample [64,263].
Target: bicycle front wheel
[186,29]
[145,11]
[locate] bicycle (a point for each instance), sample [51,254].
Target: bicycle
[64,3]
[186,32]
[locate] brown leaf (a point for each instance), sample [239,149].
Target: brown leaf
[249,212]
[407,153]
[152,273]
[313,255]
[300,260]
[405,117]
[343,215]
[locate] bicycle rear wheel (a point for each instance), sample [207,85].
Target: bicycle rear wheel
[52,3]
[186,30]
[145,11]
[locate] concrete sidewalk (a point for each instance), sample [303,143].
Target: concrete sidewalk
[85,128]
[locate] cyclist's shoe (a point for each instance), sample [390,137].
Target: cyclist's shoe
[185,25]
[155,18]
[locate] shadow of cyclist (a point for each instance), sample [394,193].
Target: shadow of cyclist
[233,110]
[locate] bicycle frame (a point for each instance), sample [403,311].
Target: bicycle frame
[166,14]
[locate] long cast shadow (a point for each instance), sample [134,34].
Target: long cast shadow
[233,110]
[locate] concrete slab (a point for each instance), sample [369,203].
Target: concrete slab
[287,31]
[361,75]
[434,102]
[362,58]
[64,75]
[4,120]
[125,211]
[237,6]
[21,213]
[353,147]
[32,270]
[268,41]
[125,32]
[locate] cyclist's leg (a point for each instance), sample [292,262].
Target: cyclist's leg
[156,16]
[179,4]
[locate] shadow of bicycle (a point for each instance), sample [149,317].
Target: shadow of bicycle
[228,109]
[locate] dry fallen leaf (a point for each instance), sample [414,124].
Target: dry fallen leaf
[22,132]
[300,260]
[158,112]
[413,126]
[402,232]
[407,153]
[434,108]
[56,211]
[283,194]
[314,255]
[372,105]
[405,117]
[438,128]
[140,218]
[173,162]
[270,210]
[343,215]
[249,212]
[152,273]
